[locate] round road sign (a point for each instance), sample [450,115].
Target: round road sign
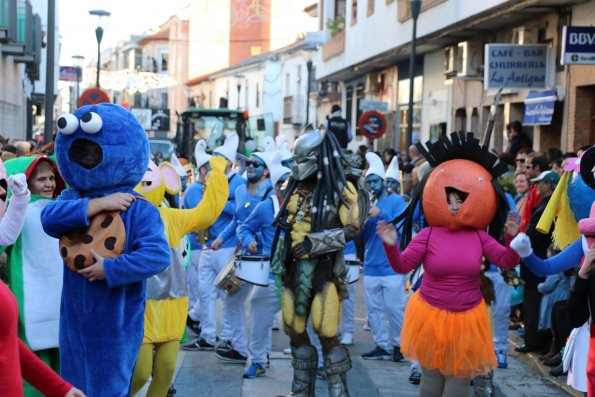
[93,96]
[372,124]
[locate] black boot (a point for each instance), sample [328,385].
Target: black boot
[337,364]
[305,363]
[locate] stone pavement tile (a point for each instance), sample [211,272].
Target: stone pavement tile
[202,374]
[536,369]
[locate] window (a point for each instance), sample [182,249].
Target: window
[340,8]
[138,59]
[371,7]
[353,12]
[164,62]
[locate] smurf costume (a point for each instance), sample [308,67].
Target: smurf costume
[100,150]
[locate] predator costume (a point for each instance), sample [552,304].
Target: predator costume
[167,292]
[323,209]
[100,150]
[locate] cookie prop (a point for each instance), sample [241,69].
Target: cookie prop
[106,235]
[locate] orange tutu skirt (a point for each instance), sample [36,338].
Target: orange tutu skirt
[457,344]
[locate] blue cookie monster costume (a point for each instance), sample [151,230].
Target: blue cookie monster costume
[100,150]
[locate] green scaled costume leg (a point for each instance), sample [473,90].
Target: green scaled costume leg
[303,292]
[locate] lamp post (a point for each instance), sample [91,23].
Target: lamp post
[77,60]
[239,78]
[415,6]
[101,16]
[309,50]
[309,68]
[48,128]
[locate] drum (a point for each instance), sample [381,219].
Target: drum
[352,271]
[227,279]
[253,269]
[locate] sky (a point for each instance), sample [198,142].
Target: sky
[77,28]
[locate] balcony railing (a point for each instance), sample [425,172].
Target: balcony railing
[335,46]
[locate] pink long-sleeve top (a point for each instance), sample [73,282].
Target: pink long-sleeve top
[452,263]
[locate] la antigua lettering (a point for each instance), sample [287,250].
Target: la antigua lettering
[514,79]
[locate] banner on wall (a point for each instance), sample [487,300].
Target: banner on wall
[539,107]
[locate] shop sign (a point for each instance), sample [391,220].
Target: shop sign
[578,46]
[69,73]
[366,104]
[516,66]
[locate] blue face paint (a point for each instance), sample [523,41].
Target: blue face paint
[376,185]
[287,163]
[393,185]
[255,169]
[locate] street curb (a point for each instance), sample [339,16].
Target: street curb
[535,363]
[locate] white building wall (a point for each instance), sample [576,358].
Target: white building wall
[436,106]
[364,39]
[12,99]
[293,79]
[271,92]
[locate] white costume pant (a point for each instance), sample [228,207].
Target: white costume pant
[193,283]
[385,301]
[234,319]
[211,262]
[347,325]
[500,310]
[264,304]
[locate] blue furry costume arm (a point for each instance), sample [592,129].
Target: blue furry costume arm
[567,259]
[149,252]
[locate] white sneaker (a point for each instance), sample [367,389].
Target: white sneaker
[366,327]
[347,339]
[287,350]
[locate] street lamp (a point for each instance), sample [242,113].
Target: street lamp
[77,60]
[309,49]
[239,78]
[415,6]
[101,17]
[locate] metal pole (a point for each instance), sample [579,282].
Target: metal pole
[239,85]
[411,78]
[415,7]
[309,67]
[99,36]
[48,128]
[78,80]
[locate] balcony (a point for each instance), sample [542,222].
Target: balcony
[334,47]
[8,17]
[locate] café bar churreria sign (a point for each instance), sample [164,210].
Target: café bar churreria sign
[515,66]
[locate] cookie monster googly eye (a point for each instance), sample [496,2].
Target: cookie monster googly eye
[91,123]
[68,123]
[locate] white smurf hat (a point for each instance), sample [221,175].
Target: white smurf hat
[375,165]
[229,149]
[175,162]
[269,149]
[200,153]
[283,147]
[276,170]
[393,169]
